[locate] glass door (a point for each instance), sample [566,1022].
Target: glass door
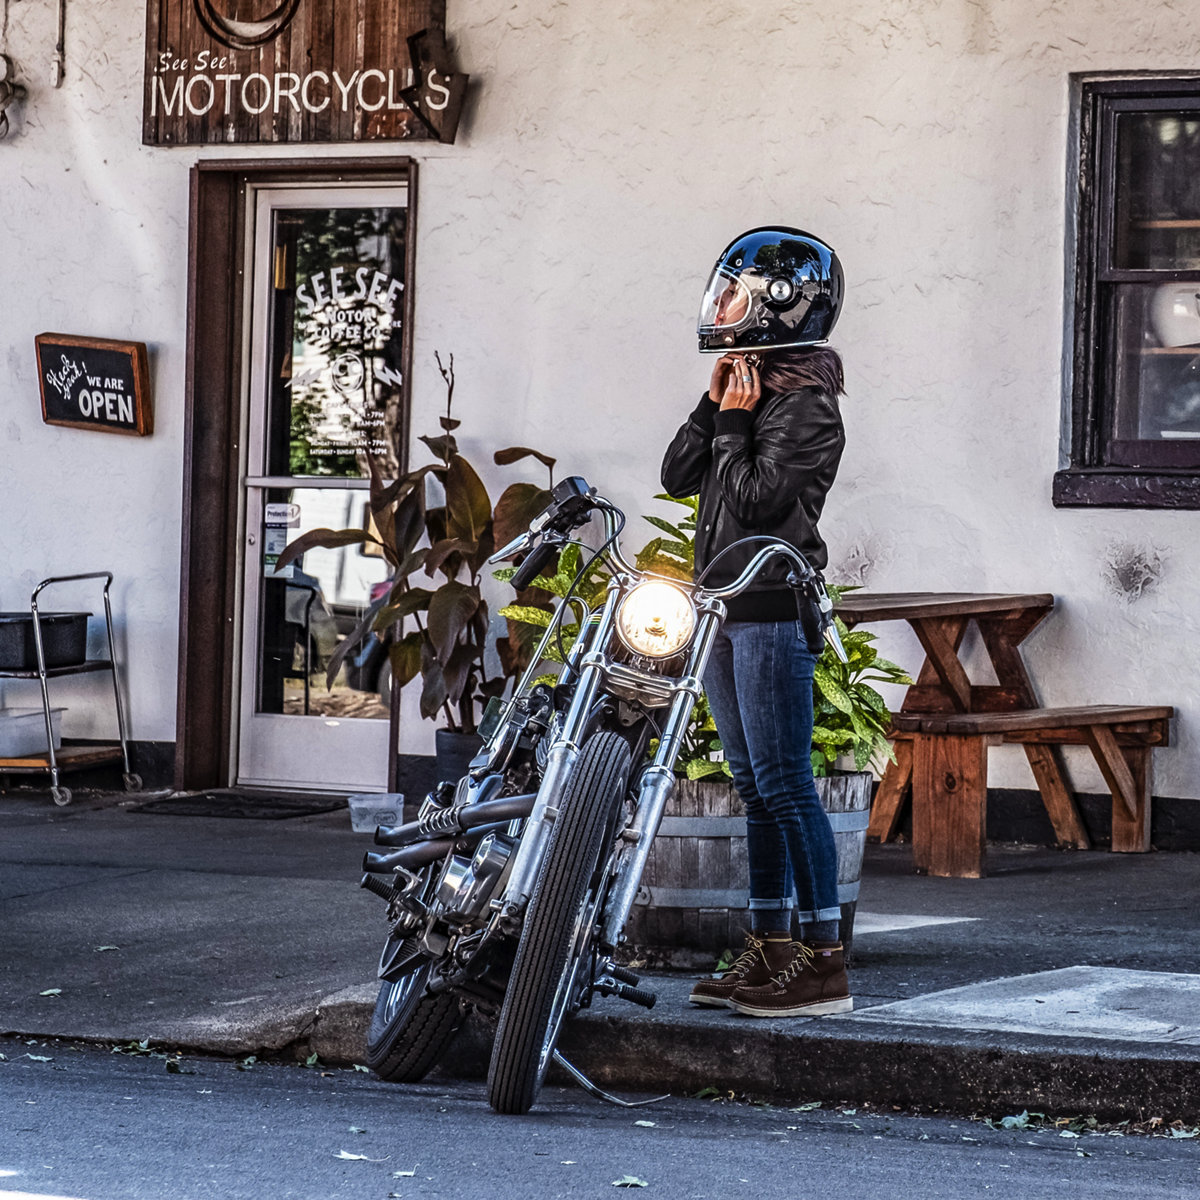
[325,390]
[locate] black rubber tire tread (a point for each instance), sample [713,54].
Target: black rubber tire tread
[576,841]
[413,1044]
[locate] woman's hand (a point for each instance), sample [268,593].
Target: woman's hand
[735,383]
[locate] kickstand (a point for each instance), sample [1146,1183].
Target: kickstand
[588,1086]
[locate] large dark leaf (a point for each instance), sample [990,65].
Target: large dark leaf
[467,499]
[457,671]
[409,523]
[515,453]
[435,524]
[452,606]
[449,424]
[408,602]
[444,447]
[398,489]
[433,689]
[441,552]
[330,538]
[519,503]
[406,658]
[484,551]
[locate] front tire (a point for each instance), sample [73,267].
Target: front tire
[557,929]
[410,1029]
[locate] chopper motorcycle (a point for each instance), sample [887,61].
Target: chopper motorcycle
[510,890]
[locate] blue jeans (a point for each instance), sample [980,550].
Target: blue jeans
[759,683]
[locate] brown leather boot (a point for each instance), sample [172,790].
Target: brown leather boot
[764,955]
[812,984]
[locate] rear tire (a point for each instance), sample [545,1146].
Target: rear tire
[553,944]
[410,1029]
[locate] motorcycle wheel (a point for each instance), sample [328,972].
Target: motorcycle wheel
[410,1030]
[558,926]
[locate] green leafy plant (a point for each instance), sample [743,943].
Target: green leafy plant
[849,715]
[449,614]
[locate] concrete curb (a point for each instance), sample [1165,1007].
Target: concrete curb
[683,1051]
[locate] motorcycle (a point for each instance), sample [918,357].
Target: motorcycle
[510,890]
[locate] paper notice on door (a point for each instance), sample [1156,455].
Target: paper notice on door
[278,522]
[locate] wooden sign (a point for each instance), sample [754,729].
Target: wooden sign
[298,71]
[90,383]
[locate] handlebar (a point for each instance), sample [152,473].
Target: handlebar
[572,506]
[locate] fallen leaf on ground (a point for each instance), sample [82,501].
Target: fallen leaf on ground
[51,992]
[360,1067]
[645,1124]
[806,1107]
[404,1174]
[629,1181]
[246,1063]
[40,1057]
[357,1129]
[101,949]
[356,1157]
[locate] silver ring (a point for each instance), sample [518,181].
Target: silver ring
[745,378]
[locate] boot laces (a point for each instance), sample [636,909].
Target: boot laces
[748,957]
[802,956]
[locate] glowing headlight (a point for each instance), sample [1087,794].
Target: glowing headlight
[656,619]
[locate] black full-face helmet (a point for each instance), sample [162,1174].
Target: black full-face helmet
[771,288]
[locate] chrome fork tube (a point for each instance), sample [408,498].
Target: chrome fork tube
[656,785]
[559,763]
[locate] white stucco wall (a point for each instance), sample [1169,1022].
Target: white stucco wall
[607,155]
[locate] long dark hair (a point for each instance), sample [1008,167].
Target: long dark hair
[801,367]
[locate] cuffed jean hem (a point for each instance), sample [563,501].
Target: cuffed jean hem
[771,905]
[819,914]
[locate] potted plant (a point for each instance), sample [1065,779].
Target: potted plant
[434,614]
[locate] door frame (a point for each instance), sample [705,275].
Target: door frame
[209,617]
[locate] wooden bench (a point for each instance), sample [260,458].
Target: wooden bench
[943,756]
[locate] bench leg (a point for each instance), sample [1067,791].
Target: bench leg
[949,799]
[1131,834]
[889,796]
[1069,830]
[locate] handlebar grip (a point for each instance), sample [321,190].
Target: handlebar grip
[531,566]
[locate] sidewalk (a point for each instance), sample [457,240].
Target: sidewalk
[1064,982]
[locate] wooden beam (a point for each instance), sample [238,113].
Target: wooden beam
[1131,835]
[889,796]
[950,806]
[1056,793]
[1114,768]
[938,637]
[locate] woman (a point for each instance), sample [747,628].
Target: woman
[762,449]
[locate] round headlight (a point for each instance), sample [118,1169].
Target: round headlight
[656,619]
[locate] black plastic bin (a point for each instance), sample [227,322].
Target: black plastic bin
[64,640]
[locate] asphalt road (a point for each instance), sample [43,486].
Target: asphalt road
[94,1125]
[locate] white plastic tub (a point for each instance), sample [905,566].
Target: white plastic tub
[23,731]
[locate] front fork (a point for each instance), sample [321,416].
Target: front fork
[657,783]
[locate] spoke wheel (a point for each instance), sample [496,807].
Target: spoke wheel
[543,986]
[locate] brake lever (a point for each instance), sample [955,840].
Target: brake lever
[515,547]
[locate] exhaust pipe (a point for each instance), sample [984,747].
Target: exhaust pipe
[411,858]
[456,820]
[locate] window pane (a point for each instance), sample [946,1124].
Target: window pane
[309,607]
[1157,220]
[337,348]
[1157,363]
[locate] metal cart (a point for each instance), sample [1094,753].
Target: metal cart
[71,758]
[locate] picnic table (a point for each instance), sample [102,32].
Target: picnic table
[946,723]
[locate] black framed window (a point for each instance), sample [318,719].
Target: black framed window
[1135,403]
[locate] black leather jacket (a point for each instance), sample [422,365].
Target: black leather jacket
[766,471]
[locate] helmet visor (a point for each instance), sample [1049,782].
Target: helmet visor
[726,303]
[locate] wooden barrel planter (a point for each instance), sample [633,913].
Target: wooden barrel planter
[693,902]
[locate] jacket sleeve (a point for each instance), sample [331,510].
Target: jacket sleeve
[687,459]
[761,472]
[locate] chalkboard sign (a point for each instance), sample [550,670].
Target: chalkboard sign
[89,383]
